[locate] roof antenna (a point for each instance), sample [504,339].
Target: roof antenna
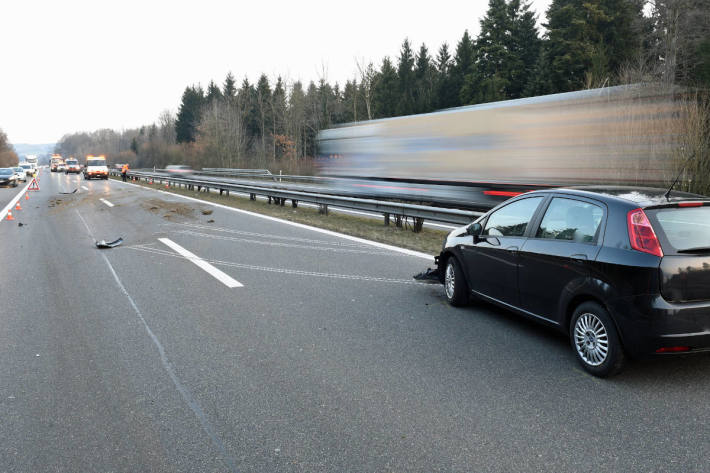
[668,192]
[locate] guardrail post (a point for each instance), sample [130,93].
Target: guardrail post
[387,220]
[418,224]
[323,209]
[252,196]
[282,201]
[398,221]
[294,203]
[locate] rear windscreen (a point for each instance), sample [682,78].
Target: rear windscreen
[684,228]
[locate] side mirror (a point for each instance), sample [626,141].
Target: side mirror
[475,230]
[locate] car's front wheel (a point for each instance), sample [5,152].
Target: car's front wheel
[595,340]
[455,286]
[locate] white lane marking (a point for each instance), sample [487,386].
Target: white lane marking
[14,200]
[297,272]
[85,188]
[222,277]
[106,202]
[405,251]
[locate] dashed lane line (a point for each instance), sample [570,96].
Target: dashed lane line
[106,202]
[220,276]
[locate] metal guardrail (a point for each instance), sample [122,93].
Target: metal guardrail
[399,212]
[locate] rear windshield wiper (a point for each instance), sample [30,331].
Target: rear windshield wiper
[698,249]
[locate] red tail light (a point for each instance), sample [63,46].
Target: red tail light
[690,204]
[641,234]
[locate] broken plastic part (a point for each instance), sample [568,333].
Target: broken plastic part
[70,192]
[112,244]
[429,276]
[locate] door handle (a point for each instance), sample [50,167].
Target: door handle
[512,249]
[579,257]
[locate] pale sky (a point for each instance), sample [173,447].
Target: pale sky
[81,65]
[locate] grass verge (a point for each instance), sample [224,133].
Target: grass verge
[428,240]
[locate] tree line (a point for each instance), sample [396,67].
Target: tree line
[274,123]
[8,157]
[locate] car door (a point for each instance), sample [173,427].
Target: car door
[557,255]
[491,259]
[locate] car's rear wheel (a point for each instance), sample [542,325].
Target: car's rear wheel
[455,286]
[595,340]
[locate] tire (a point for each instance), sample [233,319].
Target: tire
[595,340]
[455,286]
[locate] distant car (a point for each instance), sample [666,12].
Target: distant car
[72,165]
[619,270]
[20,173]
[8,177]
[179,169]
[61,167]
[29,170]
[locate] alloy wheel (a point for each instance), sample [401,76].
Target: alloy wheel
[591,339]
[450,281]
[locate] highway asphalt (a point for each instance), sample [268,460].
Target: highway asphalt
[273,347]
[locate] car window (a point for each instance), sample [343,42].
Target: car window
[513,219]
[684,228]
[573,220]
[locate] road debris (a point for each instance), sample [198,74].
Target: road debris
[112,244]
[430,276]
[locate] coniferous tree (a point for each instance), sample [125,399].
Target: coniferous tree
[506,52]
[263,102]
[213,93]
[446,94]
[229,89]
[587,41]
[350,102]
[386,93]
[463,64]
[424,76]
[405,75]
[188,116]
[247,98]
[525,45]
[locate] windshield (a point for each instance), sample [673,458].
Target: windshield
[6,172]
[25,166]
[71,162]
[684,228]
[96,162]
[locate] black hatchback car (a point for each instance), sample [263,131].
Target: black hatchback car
[620,270]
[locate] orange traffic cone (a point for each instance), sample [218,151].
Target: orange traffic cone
[9,215]
[17,207]
[27,196]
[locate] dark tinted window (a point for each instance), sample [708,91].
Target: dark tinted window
[513,219]
[573,220]
[685,228]
[6,172]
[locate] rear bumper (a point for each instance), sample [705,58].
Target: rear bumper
[649,323]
